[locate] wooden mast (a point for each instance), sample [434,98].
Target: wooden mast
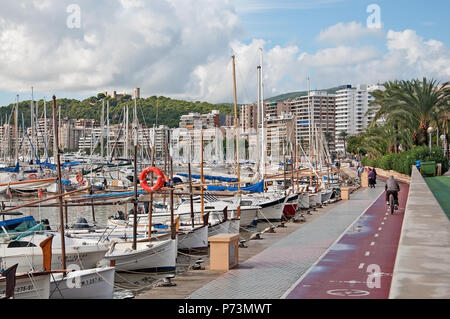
[191,197]
[202,176]
[60,200]
[150,208]
[236,125]
[172,223]
[135,199]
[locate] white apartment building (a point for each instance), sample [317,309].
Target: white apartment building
[352,107]
[318,111]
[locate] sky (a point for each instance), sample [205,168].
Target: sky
[183,48]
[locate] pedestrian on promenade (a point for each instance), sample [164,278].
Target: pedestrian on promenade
[360,171]
[372,178]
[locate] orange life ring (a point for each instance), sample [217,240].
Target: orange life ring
[32,176]
[159,182]
[80,179]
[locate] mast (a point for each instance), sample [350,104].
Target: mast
[60,200]
[261,87]
[126,131]
[135,200]
[190,194]
[150,211]
[236,126]
[310,131]
[107,129]
[172,220]
[45,126]
[258,112]
[32,118]
[59,123]
[202,176]
[102,125]
[16,130]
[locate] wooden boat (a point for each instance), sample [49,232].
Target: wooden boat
[96,283]
[155,255]
[31,285]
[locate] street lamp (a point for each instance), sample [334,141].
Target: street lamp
[430,131]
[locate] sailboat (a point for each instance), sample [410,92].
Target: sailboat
[153,254]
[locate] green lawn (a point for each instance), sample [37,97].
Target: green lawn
[440,186]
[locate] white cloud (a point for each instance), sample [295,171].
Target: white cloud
[155,45]
[344,33]
[183,48]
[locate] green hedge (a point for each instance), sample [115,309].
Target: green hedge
[403,162]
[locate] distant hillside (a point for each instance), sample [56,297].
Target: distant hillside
[153,110]
[293,95]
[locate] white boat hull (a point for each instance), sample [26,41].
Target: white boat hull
[30,287]
[197,238]
[149,256]
[29,259]
[97,283]
[304,201]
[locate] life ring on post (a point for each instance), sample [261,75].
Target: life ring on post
[159,182]
[32,176]
[80,179]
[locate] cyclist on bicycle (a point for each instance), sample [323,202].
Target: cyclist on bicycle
[393,188]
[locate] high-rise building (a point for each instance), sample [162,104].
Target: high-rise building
[315,112]
[274,109]
[249,117]
[280,136]
[353,111]
[197,120]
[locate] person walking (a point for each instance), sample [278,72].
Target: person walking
[372,177]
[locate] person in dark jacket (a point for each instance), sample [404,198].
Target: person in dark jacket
[372,177]
[392,187]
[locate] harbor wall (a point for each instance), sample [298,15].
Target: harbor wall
[399,177]
[422,264]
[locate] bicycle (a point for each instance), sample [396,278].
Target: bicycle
[392,206]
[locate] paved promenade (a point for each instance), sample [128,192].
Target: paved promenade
[422,268]
[272,272]
[361,264]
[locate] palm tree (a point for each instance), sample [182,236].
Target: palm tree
[415,104]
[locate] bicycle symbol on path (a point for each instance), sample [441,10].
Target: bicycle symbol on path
[348,292]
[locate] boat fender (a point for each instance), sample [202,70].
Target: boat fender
[159,182]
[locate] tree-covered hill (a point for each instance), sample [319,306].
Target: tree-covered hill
[153,110]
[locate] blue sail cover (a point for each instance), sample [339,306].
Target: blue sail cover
[10,169]
[212,178]
[256,188]
[63,165]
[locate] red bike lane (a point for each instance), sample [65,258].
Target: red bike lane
[361,263]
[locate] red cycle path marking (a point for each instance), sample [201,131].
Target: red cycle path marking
[343,272]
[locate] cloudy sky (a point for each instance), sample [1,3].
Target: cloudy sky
[183,48]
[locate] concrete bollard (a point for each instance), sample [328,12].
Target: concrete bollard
[365,179]
[345,193]
[224,251]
